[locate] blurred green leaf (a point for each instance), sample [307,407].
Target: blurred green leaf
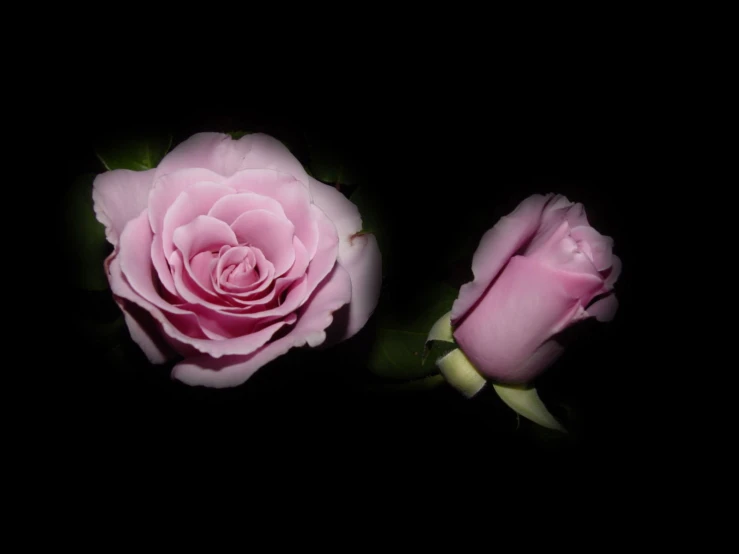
[400,341]
[138,154]
[83,237]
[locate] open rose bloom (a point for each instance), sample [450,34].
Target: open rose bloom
[541,269]
[229,254]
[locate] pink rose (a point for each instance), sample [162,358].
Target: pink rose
[538,271]
[230,254]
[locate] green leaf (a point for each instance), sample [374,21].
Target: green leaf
[138,154]
[83,237]
[399,348]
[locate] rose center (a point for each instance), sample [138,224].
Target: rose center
[243,272]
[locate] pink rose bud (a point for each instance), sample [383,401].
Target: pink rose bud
[538,271]
[229,254]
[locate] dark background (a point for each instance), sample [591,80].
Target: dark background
[445,158]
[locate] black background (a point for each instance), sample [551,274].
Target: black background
[446,157]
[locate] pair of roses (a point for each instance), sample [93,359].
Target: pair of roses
[229,254]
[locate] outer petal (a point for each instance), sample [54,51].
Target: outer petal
[359,255]
[364,264]
[119,196]
[225,156]
[314,318]
[340,210]
[540,359]
[528,303]
[268,152]
[496,248]
[214,151]
[604,309]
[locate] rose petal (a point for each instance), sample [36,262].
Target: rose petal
[327,249]
[556,203]
[339,209]
[268,152]
[363,262]
[130,275]
[553,246]
[253,300]
[264,267]
[315,316]
[118,197]
[542,358]
[225,156]
[200,268]
[604,309]
[183,342]
[237,257]
[161,266]
[190,292]
[272,234]
[167,188]
[299,292]
[230,207]
[246,318]
[528,303]
[196,201]
[293,196]
[216,152]
[240,332]
[359,255]
[496,248]
[203,234]
[576,216]
[600,247]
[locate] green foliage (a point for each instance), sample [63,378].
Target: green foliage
[137,154]
[399,350]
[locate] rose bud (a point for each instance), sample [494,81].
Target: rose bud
[538,271]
